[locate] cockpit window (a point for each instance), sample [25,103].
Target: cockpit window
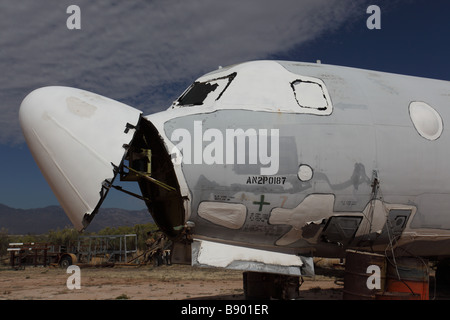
[310,95]
[200,93]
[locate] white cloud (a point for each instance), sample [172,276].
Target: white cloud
[144,51]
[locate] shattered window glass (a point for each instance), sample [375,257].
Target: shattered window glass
[200,93]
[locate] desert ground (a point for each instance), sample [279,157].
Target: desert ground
[174,282]
[165,282]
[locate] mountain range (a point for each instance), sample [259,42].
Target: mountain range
[42,220]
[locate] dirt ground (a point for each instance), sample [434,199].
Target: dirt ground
[175,282]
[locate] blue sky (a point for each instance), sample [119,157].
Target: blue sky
[145,53]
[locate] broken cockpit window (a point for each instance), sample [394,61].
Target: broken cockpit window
[310,95]
[203,93]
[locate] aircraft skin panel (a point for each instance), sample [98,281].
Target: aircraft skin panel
[243,183]
[357,137]
[75,137]
[267,86]
[298,158]
[220,255]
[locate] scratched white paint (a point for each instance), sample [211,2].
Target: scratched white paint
[222,255]
[317,207]
[80,107]
[310,209]
[266,86]
[229,215]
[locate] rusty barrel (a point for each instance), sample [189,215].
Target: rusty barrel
[407,278]
[364,276]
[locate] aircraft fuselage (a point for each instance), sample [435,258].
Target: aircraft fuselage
[362,163]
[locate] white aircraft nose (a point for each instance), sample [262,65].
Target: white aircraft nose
[76,138]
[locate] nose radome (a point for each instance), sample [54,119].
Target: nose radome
[77,139]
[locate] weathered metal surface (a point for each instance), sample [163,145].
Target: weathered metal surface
[350,165]
[357,282]
[211,254]
[407,277]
